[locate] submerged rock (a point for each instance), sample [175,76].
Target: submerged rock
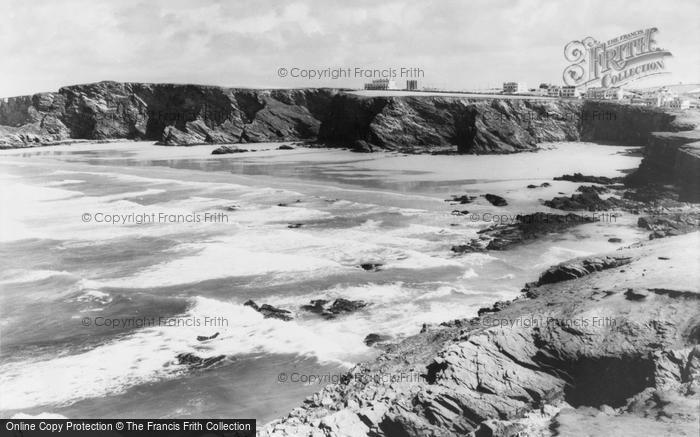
[194,361]
[373,267]
[463,199]
[205,338]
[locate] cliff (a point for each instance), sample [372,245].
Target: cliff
[192,114]
[169,114]
[448,124]
[176,115]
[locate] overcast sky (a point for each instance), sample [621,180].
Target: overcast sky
[46,44]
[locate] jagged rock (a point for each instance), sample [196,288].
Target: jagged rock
[270,312]
[317,306]
[581,267]
[525,228]
[496,200]
[223,150]
[341,305]
[372,339]
[193,361]
[670,224]
[578,177]
[588,200]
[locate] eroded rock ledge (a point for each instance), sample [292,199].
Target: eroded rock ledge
[610,343]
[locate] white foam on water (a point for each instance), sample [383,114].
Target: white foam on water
[43,415]
[18,276]
[65,182]
[149,354]
[220,259]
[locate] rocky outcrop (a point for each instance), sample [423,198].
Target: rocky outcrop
[449,124]
[524,228]
[167,113]
[576,352]
[269,311]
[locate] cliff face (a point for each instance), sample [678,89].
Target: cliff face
[448,124]
[170,114]
[194,114]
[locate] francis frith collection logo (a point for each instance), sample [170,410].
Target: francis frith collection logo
[615,62]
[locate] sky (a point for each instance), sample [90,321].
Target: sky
[474,44]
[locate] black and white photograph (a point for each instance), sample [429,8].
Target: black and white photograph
[324,218]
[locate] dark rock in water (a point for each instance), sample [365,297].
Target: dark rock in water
[578,177]
[614,240]
[270,312]
[192,360]
[588,200]
[464,199]
[579,268]
[524,228]
[205,338]
[373,339]
[545,184]
[295,225]
[316,306]
[462,212]
[232,208]
[373,267]
[669,225]
[338,306]
[496,200]
[251,303]
[532,186]
[282,204]
[341,305]
[285,147]
[223,150]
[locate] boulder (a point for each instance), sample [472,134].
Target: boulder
[226,149]
[496,200]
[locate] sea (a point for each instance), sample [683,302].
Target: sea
[116,257]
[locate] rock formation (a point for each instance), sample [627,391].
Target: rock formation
[590,345]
